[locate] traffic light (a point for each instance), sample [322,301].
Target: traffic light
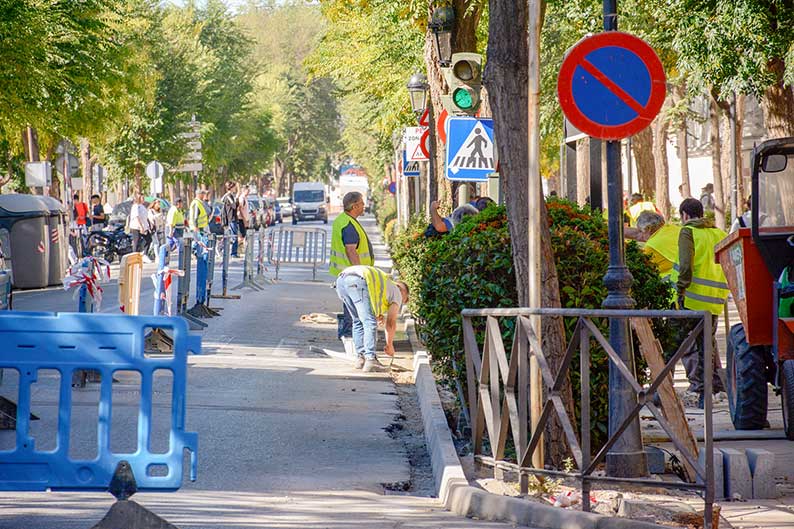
[464,79]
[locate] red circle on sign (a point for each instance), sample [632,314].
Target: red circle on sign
[441,125]
[577,56]
[424,143]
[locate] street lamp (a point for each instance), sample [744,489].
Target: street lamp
[417,89]
[441,24]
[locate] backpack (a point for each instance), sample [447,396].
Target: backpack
[229,211]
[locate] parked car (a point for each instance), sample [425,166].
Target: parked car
[310,202]
[277,212]
[286,206]
[118,217]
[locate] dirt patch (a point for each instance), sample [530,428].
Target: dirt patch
[408,428]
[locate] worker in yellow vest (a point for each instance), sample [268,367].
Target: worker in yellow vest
[371,296]
[350,245]
[701,285]
[637,206]
[661,243]
[198,217]
[175,220]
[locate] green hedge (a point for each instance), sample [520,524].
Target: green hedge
[472,268]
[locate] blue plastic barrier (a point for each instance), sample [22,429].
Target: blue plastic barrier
[69,342]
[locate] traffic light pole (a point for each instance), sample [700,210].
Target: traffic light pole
[626,458]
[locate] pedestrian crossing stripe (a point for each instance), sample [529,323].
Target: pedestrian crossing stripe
[410,168]
[476,152]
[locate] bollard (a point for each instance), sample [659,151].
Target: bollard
[202,251]
[227,244]
[130,283]
[248,265]
[183,286]
[213,251]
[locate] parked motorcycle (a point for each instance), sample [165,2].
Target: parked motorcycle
[110,243]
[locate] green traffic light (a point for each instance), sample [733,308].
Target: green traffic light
[462,99]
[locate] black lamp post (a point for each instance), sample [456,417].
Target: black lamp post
[417,89]
[441,24]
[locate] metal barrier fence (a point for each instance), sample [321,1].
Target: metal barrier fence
[226,241]
[498,407]
[68,342]
[249,267]
[290,244]
[183,285]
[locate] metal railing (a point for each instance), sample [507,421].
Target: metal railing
[298,245]
[498,395]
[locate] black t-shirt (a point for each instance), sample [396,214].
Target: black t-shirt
[98,211]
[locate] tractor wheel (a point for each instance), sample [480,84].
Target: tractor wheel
[787,396]
[747,382]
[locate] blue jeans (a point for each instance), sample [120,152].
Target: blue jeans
[234,229]
[352,290]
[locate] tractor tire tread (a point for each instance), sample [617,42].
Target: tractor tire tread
[750,403]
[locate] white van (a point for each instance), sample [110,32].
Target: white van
[309,201]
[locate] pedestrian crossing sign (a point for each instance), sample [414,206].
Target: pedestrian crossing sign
[410,168]
[471,153]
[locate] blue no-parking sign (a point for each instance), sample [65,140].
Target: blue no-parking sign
[471,153]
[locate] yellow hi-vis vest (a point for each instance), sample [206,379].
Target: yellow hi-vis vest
[197,217]
[665,243]
[175,217]
[339,260]
[636,209]
[709,288]
[377,285]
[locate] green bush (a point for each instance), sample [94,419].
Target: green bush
[472,268]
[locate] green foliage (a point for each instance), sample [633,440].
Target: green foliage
[472,268]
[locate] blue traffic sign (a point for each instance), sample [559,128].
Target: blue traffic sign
[611,85]
[471,153]
[410,168]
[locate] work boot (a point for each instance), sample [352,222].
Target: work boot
[371,365]
[360,361]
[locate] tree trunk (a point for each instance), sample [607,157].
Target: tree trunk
[743,187]
[716,165]
[506,80]
[87,169]
[138,172]
[661,124]
[642,149]
[683,143]
[30,143]
[778,104]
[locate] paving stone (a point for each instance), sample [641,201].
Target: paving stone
[719,479]
[738,483]
[762,466]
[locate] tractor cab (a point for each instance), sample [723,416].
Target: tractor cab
[758,261]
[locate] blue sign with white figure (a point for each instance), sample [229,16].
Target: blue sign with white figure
[471,154]
[410,168]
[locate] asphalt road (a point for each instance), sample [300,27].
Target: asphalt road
[287,438]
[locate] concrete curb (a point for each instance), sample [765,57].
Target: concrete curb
[452,487]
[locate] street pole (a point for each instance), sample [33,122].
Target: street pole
[626,458]
[534,198]
[432,177]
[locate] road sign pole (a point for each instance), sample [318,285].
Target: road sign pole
[626,458]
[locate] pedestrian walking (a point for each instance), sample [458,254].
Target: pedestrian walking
[98,217]
[243,216]
[701,286]
[157,226]
[230,215]
[350,246]
[198,216]
[707,199]
[138,223]
[175,220]
[370,296]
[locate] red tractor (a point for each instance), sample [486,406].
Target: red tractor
[758,261]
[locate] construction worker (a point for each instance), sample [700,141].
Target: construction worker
[198,218]
[175,220]
[701,286]
[661,243]
[371,296]
[350,245]
[637,206]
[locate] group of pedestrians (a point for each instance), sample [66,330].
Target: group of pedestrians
[147,225]
[234,214]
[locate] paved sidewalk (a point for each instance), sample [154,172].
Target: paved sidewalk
[287,438]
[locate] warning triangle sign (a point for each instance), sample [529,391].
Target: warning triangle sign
[476,152]
[418,153]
